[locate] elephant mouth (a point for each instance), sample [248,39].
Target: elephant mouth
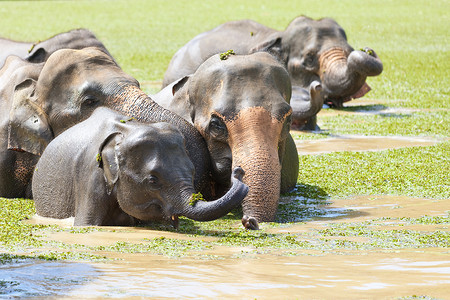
[337,101]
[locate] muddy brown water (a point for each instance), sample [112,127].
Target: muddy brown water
[360,143]
[309,274]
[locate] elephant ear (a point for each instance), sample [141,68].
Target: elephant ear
[182,103]
[179,84]
[37,56]
[28,128]
[272,45]
[108,159]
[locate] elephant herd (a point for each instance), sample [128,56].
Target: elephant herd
[79,136]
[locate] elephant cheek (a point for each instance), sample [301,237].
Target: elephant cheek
[254,137]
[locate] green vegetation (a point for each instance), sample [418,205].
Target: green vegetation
[195,198]
[417,123]
[225,55]
[414,171]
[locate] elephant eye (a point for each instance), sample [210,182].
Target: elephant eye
[310,59]
[153,179]
[90,100]
[217,128]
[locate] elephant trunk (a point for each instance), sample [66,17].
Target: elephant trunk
[344,75]
[254,135]
[306,105]
[132,101]
[211,210]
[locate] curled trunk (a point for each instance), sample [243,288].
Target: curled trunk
[306,104]
[211,210]
[343,74]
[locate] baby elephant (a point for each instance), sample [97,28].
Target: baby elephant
[113,170]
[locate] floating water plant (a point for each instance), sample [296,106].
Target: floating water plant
[195,198]
[368,51]
[225,55]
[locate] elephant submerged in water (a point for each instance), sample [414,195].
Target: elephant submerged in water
[40,51]
[15,166]
[240,105]
[311,50]
[113,170]
[70,86]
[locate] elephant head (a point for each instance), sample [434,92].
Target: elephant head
[318,50]
[151,175]
[15,167]
[241,107]
[41,50]
[72,84]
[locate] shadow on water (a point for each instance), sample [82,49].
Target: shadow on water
[24,277]
[376,109]
[309,202]
[364,108]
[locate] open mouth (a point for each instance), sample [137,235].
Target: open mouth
[337,102]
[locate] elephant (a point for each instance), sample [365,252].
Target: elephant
[40,51]
[15,175]
[311,50]
[240,105]
[71,84]
[112,170]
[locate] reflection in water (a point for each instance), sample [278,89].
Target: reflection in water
[330,276]
[31,278]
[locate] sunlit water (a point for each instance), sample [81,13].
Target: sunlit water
[338,277]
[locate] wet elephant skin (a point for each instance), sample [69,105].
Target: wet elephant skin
[113,170]
[241,107]
[70,86]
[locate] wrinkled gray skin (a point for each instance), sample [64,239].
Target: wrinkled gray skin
[71,85]
[15,166]
[110,170]
[40,51]
[311,50]
[241,107]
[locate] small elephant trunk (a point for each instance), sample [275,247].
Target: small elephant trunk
[211,210]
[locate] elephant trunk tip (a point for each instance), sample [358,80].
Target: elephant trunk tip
[238,173]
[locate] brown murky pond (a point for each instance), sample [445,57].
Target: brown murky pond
[359,143]
[347,274]
[308,274]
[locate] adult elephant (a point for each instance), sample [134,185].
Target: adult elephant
[240,105]
[113,170]
[311,50]
[40,51]
[15,166]
[70,86]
